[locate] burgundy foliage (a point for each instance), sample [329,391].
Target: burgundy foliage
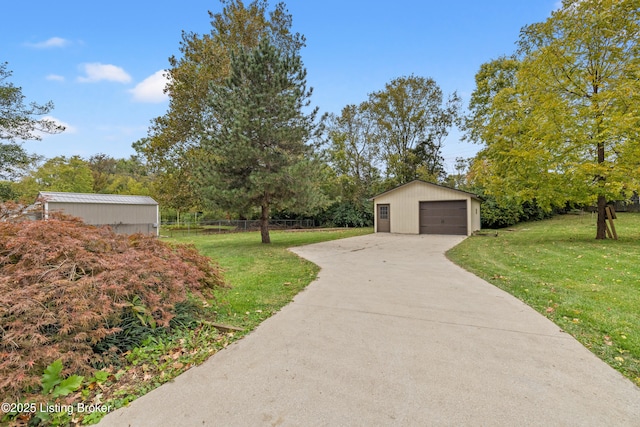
[65,285]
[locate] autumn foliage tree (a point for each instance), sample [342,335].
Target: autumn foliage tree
[560,121]
[66,286]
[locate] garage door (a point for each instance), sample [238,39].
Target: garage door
[443,217]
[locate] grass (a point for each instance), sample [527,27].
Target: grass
[263,278]
[590,288]
[178,231]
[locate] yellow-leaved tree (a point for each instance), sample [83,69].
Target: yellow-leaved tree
[561,119]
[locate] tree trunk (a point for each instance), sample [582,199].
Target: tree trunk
[264,223]
[601,232]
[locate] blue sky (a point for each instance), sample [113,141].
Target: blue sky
[101,62]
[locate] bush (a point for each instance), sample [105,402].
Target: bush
[66,287]
[348,214]
[532,212]
[499,215]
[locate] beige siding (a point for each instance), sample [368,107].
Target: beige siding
[475,215]
[405,201]
[123,218]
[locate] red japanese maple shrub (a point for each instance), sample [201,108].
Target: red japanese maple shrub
[65,286]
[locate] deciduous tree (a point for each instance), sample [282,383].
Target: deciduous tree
[119,176]
[567,129]
[64,174]
[67,289]
[412,120]
[19,122]
[492,78]
[353,154]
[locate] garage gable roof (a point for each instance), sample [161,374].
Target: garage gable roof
[462,193]
[110,199]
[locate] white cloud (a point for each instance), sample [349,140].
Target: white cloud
[51,43]
[96,72]
[151,89]
[67,127]
[55,78]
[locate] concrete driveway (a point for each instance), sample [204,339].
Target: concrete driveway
[393,334]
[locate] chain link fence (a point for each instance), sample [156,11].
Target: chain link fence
[177,229]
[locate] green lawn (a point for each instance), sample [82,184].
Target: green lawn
[263,278]
[590,288]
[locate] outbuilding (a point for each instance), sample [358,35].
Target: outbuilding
[123,213]
[420,207]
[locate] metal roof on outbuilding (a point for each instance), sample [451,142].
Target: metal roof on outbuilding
[110,199]
[466,193]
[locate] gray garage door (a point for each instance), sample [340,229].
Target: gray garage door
[443,217]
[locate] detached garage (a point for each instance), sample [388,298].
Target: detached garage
[420,207]
[124,214]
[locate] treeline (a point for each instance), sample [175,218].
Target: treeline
[241,137]
[557,122]
[97,174]
[238,140]
[350,180]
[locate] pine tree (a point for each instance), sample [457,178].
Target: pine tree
[255,149]
[174,138]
